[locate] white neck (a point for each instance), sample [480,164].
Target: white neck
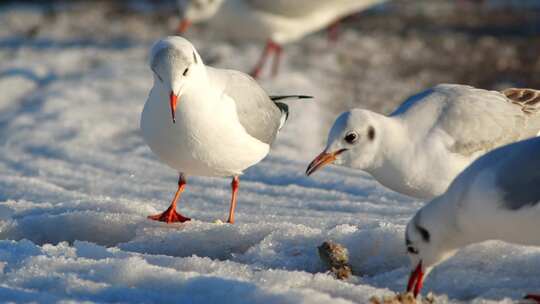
[391,166]
[403,168]
[393,142]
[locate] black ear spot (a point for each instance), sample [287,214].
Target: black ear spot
[424,233]
[371,133]
[195,57]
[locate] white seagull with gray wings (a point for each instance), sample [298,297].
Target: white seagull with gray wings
[205,121]
[496,198]
[277,22]
[424,144]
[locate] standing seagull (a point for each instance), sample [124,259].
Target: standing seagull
[205,121]
[496,198]
[420,148]
[275,21]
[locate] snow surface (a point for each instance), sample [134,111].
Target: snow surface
[77,181]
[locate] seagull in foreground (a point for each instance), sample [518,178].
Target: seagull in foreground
[496,198]
[205,121]
[423,145]
[275,21]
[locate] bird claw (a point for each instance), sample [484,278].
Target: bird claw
[256,73]
[169,216]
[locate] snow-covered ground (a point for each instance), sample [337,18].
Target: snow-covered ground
[77,181]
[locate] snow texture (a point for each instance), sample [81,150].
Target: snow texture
[77,181]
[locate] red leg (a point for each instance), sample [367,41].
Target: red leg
[183,26]
[534,297]
[268,49]
[234,185]
[277,59]
[170,215]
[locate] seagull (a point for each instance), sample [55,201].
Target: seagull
[423,145]
[496,198]
[205,121]
[277,22]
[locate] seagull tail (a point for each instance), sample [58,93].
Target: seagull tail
[284,113]
[285,97]
[285,108]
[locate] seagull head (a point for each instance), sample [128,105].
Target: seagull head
[353,141]
[194,11]
[426,247]
[176,66]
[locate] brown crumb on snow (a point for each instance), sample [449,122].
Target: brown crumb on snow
[402,298]
[336,258]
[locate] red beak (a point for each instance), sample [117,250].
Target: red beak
[416,280]
[183,26]
[173,99]
[322,160]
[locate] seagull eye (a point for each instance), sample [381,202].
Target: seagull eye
[412,250]
[185,71]
[351,138]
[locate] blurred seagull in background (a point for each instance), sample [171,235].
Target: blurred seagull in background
[275,21]
[423,145]
[205,121]
[496,198]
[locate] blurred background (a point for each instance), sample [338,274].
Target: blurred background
[73,81]
[383,54]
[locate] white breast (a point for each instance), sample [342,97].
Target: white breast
[206,139]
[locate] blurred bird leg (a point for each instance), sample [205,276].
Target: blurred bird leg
[183,26]
[271,47]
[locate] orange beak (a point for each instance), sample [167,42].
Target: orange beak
[172,100]
[322,160]
[416,280]
[183,26]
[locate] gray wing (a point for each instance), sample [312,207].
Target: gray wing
[289,8]
[258,114]
[476,120]
[518,178]
[299,8]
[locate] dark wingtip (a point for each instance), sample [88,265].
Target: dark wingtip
[281,97]
[284,108]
